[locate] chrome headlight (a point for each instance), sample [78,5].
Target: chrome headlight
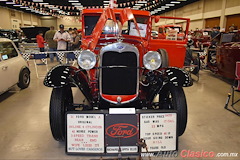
[152,60]
[87,59]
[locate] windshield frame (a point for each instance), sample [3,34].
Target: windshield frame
[121,26]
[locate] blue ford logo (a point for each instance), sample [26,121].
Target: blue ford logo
[119,47]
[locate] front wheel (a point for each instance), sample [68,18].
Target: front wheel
[172,97]
[61,101]
[24,79]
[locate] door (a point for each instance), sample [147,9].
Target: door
[8,63]
[176,48]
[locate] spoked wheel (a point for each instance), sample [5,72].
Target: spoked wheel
[196,63]
[61,101]
[171,97]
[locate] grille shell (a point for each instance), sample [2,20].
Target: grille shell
[119,74]
[120,78]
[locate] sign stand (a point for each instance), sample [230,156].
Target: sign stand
[103,133]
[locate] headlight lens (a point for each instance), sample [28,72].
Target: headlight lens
[87,59]
[152,60]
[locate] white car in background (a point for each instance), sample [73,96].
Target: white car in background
[13,68]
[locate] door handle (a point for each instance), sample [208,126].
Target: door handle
[4,68]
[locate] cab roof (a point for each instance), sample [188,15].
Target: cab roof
[116,10]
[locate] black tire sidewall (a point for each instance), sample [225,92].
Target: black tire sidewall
[21,83]
[178,103]
[57,111]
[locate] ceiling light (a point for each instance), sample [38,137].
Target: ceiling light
[79,7]
[136,7]
[176,2]
[24,7]
[105,1]
[43,3]
[142,1]
[153,12]
[37,0]
[51,6]
[10,2]
[170,4]
[78,4]
[17,5]
[3,0]
[165,7]
[73,1]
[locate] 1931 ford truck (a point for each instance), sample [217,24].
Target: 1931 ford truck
[121,66]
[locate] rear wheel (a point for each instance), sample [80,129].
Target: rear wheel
[172,97]
[61,101]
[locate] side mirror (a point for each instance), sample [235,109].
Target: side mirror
[157,18]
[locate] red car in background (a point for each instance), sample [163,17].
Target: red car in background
[201,38]
[222,57]
[172,32]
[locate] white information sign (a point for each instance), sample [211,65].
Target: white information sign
[142,29]
[159,131]
[85,133]
[124,149]
[171,34]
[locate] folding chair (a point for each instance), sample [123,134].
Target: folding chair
[42,56]
[234,89]
[60,55]
[70,57]
[26,56]
[73,56]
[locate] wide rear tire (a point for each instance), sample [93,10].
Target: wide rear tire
[61,101]
[172,97]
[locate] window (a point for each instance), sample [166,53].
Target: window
[90,23]
[7,50]
[160,30]
[142,22]
[112,27]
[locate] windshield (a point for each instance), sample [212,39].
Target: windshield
[230,37]
[111,27]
